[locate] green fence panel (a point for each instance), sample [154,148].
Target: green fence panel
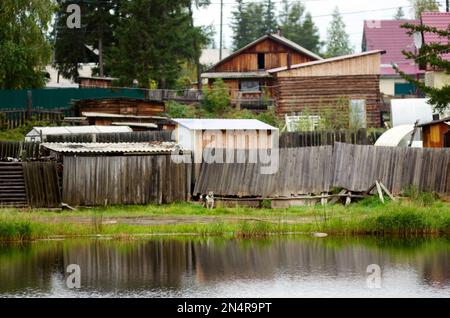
[60,98]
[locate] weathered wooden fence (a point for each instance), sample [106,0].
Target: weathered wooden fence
[90,181]
[356,168]
[33,184]
[19,150]
[328,138]
[298,171]
[10,119]
[132,137]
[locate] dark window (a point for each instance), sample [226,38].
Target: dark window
[261,61]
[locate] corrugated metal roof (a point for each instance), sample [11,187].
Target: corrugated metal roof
[330,60]
[388,35]
[224,124]
[159,147]
[441,21]
[144,125]
[66,130]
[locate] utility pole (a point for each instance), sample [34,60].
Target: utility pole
[448,6]
[221,30]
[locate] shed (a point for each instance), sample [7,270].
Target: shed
[136,122]
[434,133]
[40,133]
[197,135]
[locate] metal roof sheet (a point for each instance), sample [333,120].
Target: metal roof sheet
[441,21]
[388,35]
[236,74]
[224,124]
[145,125]
[67,130]
[159,147]
[396,137]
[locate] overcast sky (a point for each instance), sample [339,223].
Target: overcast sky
[354,13]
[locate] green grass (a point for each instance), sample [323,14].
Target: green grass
[368,217]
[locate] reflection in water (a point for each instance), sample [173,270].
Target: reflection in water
[276,267]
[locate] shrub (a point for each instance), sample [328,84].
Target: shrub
[216,99]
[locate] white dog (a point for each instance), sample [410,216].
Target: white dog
[209,202]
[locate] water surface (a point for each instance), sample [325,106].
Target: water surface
[213,267]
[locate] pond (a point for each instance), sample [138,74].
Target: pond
[288,266]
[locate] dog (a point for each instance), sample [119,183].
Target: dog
[209,201]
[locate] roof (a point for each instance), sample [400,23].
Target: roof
[330,60]
[395,137]
[441,21]
[66,130]
[258,74]
[224,124]
[106,115]
[151,148]
[212,56]
[143,125]
[388,35]
[277,38]
[434,122]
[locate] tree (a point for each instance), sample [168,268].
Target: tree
[153,39]
[430,55]
[270,21]
[24,47]
[299,27]
[338,42]
[248,23]
[399,14]
[420,6]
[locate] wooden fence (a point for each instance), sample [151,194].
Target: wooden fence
[10,119]
[328,138]
[299,171]
[137,136]
[19,150]
[91,181]
[356,168]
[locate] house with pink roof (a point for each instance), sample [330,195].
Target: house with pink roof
[389,36]
[440,20]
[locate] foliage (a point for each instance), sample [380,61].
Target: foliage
[328,118]
[420,6]
[247,23]
[430,55]
[270,20]
[399,14]
[24,47]
[217,98]
[152,46]
[422,198]
[297,25]
[338,42]
[18,134]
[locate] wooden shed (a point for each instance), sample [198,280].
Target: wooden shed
[245,71]
[197,135]
[319,85]
[120,106]
[434,133]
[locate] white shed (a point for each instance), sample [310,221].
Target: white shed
[198,134]
[42,132]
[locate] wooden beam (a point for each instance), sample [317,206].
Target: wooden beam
[380,192]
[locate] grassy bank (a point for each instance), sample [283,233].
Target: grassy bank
[368,217]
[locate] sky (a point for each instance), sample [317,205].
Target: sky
[354,13]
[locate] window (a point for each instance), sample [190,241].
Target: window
[261,61]
[358,113]
[250,86]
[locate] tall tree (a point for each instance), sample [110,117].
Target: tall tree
[74,46]
[399,14]
[298,26]
[338,42]
[24,47]
[420,6]
[154,38]
[431,55]
[248,23]
[270,20]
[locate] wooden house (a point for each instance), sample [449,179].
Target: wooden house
[245,70]
[323,84]
[434,134]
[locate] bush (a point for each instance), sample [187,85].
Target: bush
[422,198]
[216,99]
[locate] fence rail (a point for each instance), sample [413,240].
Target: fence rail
[19,150]
[328,138]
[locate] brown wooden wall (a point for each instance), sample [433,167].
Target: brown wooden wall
[120,106]
[276,55]
[433,135]
[295,94]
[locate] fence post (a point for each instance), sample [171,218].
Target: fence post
[29,104]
